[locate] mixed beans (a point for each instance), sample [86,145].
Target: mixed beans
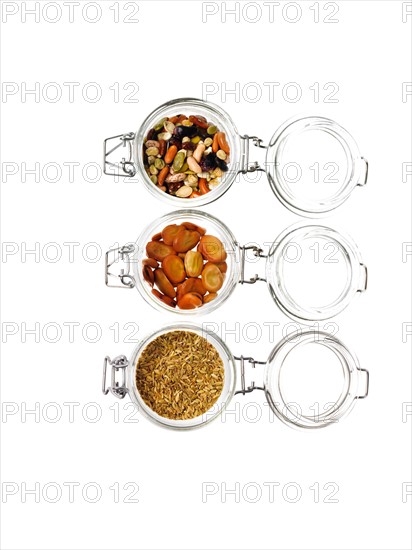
[186,156]
[184,276]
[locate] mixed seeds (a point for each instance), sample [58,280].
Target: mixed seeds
[184,276]
[186,156]
[180,375]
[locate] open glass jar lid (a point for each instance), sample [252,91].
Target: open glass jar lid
[188,262]
[313,272]
[189,152]
[183,377]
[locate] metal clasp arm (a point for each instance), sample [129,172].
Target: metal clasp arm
[366,385]
[252,386]
[258,252]
[119,363]
[366,172]
[128,167]
[254,166]
[126,279]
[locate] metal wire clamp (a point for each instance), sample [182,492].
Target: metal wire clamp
[252,386]
[119,363]
[112,256]
[127,166]
[245,167]
[258,252]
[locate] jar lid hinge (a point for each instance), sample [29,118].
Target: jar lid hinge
[245,166]
[252,385]
[258,252]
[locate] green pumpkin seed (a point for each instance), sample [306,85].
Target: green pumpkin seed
[178,161]
[154,179]
[159,163]
[211,130]
[152,151]
[160,124]
[153,170]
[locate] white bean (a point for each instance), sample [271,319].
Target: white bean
[184,191]
[193,165]
[200,149]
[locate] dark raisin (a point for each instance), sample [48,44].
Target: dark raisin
[185,131]
[172,187]
[151,134]
[175,141]
[191,130]
[178,132]
[202,133]
[188,146]
[208,162]
[221,164]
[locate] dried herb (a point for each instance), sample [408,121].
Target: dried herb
[180,375]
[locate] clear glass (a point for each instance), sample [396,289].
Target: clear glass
[214,227]
[343,390]
[228,388]
[313,272]
[212,113]
[313,165]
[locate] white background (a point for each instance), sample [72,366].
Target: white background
[171,53]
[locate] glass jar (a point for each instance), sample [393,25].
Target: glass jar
[324,265]
[341,379]
[312,163]
[132,256]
